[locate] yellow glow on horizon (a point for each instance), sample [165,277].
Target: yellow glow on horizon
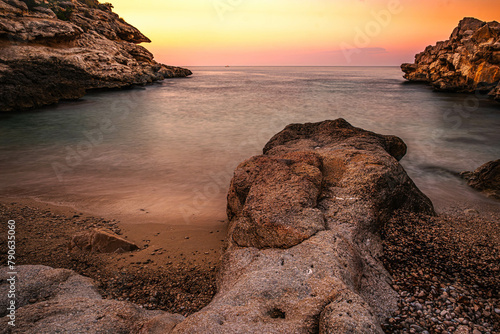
[293,32]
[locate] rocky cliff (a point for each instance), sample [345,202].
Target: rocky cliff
[52,50]
[468,62]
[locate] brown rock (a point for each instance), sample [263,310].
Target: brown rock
[466,24]
[268,213]
[485,179]
[315,275]
[61,49]
[161,324]
[467,62]
[102,241]
[348,313]
[303,244]
[70,303]
[495,93]
[462,330]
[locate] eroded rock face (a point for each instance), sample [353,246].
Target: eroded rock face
[61,49]
[485,179]
[303,244]
[469,61]
[61,301]
[102,241]
[268,214]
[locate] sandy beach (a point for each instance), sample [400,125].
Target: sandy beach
[173,270]
[445,263]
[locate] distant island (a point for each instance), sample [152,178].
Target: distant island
[468,62]
[55,50]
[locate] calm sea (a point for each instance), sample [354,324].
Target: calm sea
[166,152]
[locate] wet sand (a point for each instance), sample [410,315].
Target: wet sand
[173,270]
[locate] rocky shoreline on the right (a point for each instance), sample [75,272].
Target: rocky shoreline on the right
[445,268]
[468,62]
[485,178]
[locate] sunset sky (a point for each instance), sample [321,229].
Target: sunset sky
[296,32]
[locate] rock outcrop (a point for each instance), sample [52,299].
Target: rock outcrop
[303,245]
[468,62]
[53,50]
[303,252]
[60,301]
[102,241]
[485,179]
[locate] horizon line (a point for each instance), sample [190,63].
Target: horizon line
[286,65]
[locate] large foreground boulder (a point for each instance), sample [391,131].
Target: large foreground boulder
[467,62]
[61,301]
[53,50]
[303,245]
[485,179]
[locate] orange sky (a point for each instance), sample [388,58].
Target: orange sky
[296,32]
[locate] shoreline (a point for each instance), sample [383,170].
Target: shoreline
[178,277]
[173,270]
[143,230]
